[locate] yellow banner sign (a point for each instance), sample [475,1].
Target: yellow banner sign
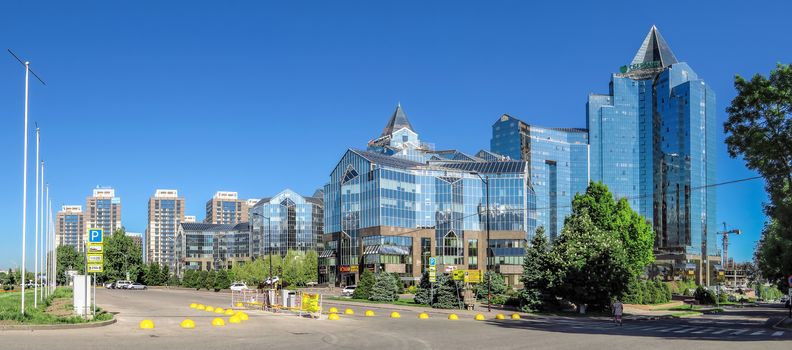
[310,302]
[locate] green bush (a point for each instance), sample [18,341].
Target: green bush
[498,285]
[412,289]
[221,281]
[704,296]
[363,289]
[385,288]
[422,294]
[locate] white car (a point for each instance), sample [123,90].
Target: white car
[348,290]
[238,287]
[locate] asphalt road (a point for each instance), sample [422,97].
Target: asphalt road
[739,329]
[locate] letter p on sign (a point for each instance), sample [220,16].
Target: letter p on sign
[95,235]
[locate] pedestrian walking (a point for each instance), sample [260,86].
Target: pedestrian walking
[618,310]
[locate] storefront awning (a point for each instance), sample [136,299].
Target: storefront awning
[327,253]
[386,250]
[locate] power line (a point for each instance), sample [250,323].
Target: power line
[729,182]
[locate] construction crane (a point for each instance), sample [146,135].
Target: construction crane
[726,232]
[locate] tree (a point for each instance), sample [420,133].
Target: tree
[594,263]
[151,274]
[121,257]
[201,279]
[292,268]
[422,294]
[539,274]
[188,279]
[209,283]
[164,275]
[498,285]
[68,259]
[221,280]
[759,129]
[447,293]
[384,289]
[311,266]
[618,219]
[363,289]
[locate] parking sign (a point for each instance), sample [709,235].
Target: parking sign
[95,235]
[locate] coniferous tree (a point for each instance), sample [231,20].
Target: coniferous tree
[539,274]
[423,293]
[384,288]
[363,289]
[447,293]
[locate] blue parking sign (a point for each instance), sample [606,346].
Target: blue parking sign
[95,235]
[432,261]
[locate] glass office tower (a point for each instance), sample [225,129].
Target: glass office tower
[558,165]
[393,206]
[653,141]
[287,221]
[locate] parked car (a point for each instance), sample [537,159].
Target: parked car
[108,285]
[139,286]
[239,286]
[121,284]
[348,290]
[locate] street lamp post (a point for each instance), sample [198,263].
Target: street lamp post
[485,180]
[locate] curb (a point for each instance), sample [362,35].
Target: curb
[46,327]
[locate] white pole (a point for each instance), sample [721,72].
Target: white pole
[44,236]
[53,247]
[43,205]
[36,247]
[24,187]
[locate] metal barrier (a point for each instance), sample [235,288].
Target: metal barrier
[279,301]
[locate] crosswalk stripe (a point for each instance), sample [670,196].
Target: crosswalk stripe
[668,329]
[740,332]
[650,329]
[722,331]
[684,330]
[757,333]
[705,330]
[778,333]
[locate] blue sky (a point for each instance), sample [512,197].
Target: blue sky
[251,97]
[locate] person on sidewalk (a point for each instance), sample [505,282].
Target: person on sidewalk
[618,310]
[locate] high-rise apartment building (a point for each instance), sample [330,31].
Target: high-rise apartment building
[70,227]
[103,210]
[393,206]
[653,140]
[226,208]
[165,213]
[557,162]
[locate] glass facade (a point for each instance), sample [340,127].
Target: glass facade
[287,221]
[211,246]
[401,198]
[558,165]
[653,141]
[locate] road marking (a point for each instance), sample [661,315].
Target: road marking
[668,329]
[685,330]
[740,332]
[722,331]
[778,333]
[650,329]
[757,333]
[704,330]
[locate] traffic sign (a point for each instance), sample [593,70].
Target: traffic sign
[95,268]
[790,280]
[94,258]
[95,248]
[458,275]
[95,235]
[432,274]
[432,261]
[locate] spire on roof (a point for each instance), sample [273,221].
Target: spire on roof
[397,121]
[654,48]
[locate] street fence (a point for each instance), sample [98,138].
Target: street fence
[300,303]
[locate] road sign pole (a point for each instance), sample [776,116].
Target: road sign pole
[94,295]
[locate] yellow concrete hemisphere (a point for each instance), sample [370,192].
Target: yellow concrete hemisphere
[423,316]
[333,317]
[230,312]
[479,317]
[453,317]
[239,305]
[242,316]
[146,324]
[349,312]
[515,316]
[234,319]
[187,324]
[218,322]
[500,317]
[193,305]
[200,307]
[219,310]
[209,308]
[395,315]
[333,310]
[369,313]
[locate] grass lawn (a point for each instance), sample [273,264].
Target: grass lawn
[401,302]
[57,309]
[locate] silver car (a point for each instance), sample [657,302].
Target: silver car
[139,286]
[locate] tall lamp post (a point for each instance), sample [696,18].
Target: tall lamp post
[485,180]
[269,239]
